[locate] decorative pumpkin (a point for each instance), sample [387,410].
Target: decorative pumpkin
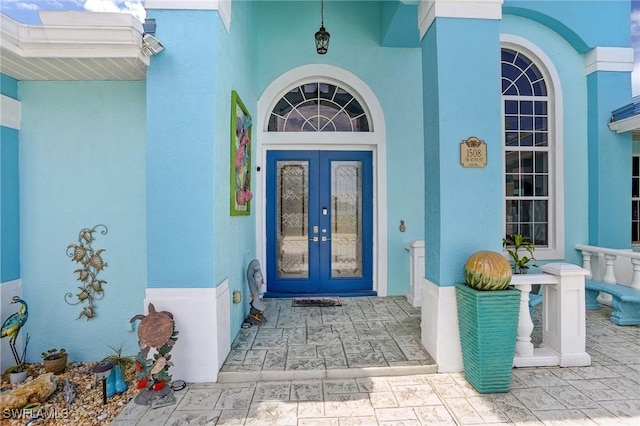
[487,270]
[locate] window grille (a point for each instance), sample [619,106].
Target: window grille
[318,107]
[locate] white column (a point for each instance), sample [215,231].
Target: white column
[526,355]
[524,347]
[416,272]
[609,269]
[564,330]
[635,280]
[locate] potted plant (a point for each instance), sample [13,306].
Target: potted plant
[54,360]
[17,373]
[121,363]
[488,311]
[514,243]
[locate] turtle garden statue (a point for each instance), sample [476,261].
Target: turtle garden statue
[156,331]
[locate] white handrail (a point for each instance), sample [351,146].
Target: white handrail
[610,256]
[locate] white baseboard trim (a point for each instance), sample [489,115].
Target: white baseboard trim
[440,334]
[202,318]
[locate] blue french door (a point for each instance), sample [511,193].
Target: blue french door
[319,223]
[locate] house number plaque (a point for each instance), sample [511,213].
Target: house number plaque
[473,152]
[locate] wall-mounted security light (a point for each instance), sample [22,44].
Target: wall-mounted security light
[151,45]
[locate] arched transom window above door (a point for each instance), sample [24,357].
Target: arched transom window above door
[318,107]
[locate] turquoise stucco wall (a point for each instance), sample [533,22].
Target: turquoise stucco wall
[9,193]
[193,239]
[235,235]
[461,202]
[609,163]
[393,74]
[86,155]
[82,163]
[180,150]
[579,22]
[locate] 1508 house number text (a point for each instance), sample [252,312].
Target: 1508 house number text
[473,153]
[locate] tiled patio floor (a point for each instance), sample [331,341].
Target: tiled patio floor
[606,393]
[363,337]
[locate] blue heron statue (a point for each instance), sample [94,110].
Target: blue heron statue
[12,325]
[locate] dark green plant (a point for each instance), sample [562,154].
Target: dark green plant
[117,359]
[514,243]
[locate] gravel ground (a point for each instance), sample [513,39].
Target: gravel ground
[87,409]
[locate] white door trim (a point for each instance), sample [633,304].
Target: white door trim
[374,141]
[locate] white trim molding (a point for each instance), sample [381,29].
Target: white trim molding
[73,46]
[628,124]
[429,10]
[609,59]
[374,141]
[74,34]
[10,112]
[222,6]
[440,335]
[202,316]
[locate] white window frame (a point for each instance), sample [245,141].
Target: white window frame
[555,250]
[634,199]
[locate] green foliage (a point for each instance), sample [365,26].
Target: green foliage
[116,358]
[514,243]
[52,354]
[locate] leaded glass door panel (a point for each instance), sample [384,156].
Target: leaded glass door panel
[319,222]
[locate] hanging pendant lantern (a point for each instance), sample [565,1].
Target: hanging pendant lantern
[322,36]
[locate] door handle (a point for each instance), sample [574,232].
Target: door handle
[325,239]
[314,239]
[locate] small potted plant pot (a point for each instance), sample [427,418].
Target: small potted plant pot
[17,374]
[54,361]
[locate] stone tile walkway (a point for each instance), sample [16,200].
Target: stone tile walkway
[606,393]
[363,337]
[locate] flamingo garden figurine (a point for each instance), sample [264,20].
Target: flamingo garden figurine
[12,325]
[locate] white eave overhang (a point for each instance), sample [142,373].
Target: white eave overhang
[626,124]
[73,46]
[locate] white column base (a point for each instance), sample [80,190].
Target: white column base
[440,334]
[575,360]
[542,357]
[202,319]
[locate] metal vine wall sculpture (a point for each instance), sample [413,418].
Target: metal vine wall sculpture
[92,263]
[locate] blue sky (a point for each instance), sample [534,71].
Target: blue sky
[26,11]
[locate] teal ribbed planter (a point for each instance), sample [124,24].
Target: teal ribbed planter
[488,323]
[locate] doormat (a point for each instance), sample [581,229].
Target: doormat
[315,301]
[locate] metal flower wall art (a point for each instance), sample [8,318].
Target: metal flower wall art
[92,264]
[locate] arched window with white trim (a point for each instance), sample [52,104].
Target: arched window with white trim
[528,149]
[318,107]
